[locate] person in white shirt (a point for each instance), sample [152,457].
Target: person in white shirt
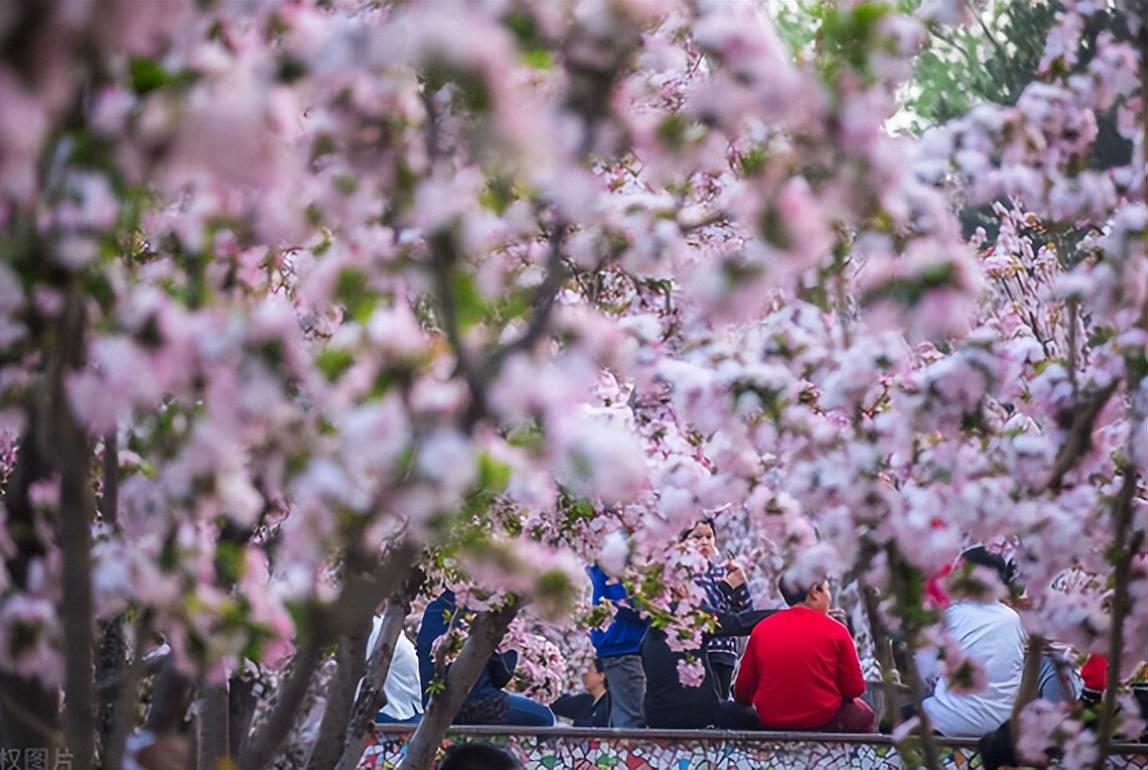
[990,633]
[403,687]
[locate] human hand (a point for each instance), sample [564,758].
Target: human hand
[734,575]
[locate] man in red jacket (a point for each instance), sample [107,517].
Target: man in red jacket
[800,670]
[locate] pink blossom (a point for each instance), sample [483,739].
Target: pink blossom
[691,672]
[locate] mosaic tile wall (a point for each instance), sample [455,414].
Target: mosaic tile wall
[590,753]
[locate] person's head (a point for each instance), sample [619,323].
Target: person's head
[594,678]
[478,756]
[702,537]
[1005,569]
[818,596]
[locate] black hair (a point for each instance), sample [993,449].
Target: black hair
[598,666]
[982,557]
[795,594]
[478,756]
[685,533]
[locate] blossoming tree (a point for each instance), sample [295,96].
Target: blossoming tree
[307,305]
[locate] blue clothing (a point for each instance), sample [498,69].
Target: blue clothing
[436,620]
[527,713]
[624,634]
[724,599]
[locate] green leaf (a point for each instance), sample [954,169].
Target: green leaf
[493,475]
[333,362]
[470,307]
[147,75]
[355,295]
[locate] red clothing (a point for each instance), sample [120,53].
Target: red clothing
[799,667]
[1094,672]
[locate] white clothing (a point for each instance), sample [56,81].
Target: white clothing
[993,636]
[403,687]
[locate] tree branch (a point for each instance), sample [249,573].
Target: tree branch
[1124,548]
[77,506]
[372,696]
[350,662]
[361,594]
[1079,435]
[211,727]
[1029,681]
[900,593]
[543,304]
[485,635]
[127,695]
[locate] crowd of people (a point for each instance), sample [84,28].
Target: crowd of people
[794,668]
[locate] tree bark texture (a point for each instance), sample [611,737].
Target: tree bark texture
[212,733]
[485,635]
[350,665]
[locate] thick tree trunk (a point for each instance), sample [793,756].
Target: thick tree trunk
[77,506]
[211,727]
[350,661]
[124,694]
[110,667]
[171,697]
[485,635]
[241,710]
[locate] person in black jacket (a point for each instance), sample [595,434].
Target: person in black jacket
[590,708]
[669,704]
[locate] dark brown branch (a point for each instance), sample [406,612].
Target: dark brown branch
[350,661]
[371,696]
[150,666]
[73,460]
[1125,546]
[211,728]
[262,746]
[241,703]
[543,304]
[110,498]
[126,695]
[170,699]
[362,593]
[916,685]
[1079,435]
[1029,681]
[485,635]
[881,639]
[444,257]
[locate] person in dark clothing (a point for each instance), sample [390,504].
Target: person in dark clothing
[669,704]
[726,591]
[487,703]
[617,647]
[478,756]
[590,708]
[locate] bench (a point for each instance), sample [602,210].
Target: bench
[576,748]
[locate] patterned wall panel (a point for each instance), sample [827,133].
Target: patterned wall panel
[581,751]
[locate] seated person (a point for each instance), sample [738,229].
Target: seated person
[669,704]
[590,708]
[990,633]
[486,703]
[800,670]
[402,688]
